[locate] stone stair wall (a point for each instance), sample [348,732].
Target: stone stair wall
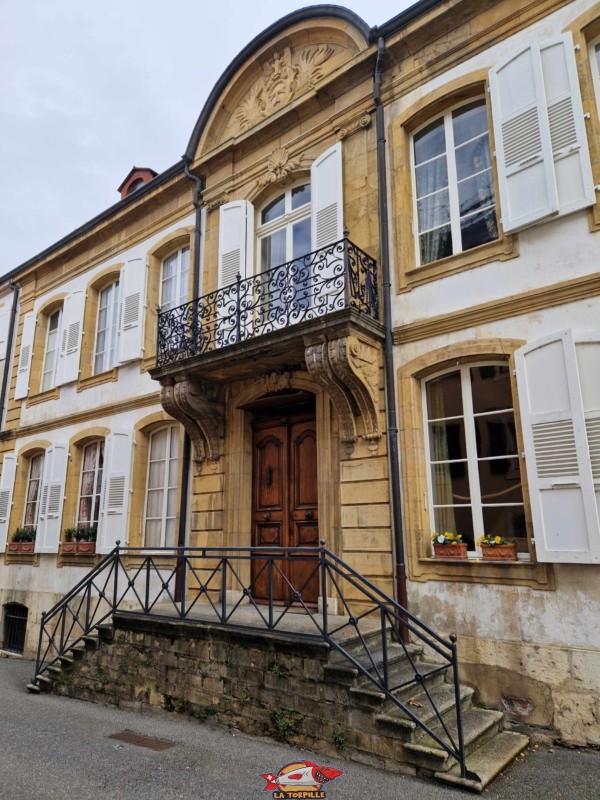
[271,685]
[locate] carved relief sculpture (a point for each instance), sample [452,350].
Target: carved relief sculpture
[285,76]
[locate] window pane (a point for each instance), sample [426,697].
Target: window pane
[433,210]
[435,244]
[301,238]
[450,483]
[456,520]
[158,445]
[444,397]
[273,250]
[469,122]
[447,440]
[476,192]
[478,229]
[507,521]
[473,157]
[432,176]
[496,435]
[156,474]
[276,208]
[170,266]
[500,481]
[490,388]
[36,467]
[171,502]
[152,538]
[174,447]
[170,533]
[300,196]
[155,503]
[430,142]
[85,510]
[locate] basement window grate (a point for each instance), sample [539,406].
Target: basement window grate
[141,740]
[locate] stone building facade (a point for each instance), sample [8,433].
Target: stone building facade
[479,149]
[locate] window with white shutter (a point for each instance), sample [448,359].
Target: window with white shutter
[541,144]
[25,355]
[327,208]
[116,490]
[107,328]
[7,482]
[52,350]
[236,241]
[51,499]
[133,303]
[559,395]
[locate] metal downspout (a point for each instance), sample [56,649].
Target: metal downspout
[9,347]
[187,443]
[390,382]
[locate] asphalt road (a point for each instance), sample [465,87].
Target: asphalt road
[54,748]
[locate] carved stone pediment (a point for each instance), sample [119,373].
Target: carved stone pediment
[200,407]
[348,368]
[287,74]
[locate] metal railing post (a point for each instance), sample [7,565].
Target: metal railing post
[346,269]
[270,564]
[459,726]
[238,311]
[38,658]
[224,591]
[117,561]
[322,565]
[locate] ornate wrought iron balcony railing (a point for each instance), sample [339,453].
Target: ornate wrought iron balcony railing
[335,277]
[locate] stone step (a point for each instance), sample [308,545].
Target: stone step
[105,631]
[33,688]
[66,661]
[479,725]
[487,761]
[54,671]
[44,682]
[402,675]
[77,649]
[341,669]
[394,722]
[91,641]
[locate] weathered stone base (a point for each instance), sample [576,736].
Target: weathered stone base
[262,685]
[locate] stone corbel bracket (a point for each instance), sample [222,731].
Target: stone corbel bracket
[348,368]
[200,407]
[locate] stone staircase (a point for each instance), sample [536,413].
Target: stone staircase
[372,714]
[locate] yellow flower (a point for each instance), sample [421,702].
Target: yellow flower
[498,539]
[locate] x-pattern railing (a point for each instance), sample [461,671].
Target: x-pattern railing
[371,632]
[332,278]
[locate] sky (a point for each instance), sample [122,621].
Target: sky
[90,88]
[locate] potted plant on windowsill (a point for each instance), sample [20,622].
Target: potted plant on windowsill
[80,540]
[449,545]
[497,548]
[23,540]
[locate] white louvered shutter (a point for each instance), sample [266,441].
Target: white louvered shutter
[588,363]
[114,503]
[24,367]
[133,303]
[236,241]
[563,502]
[523,149]
[7,482]
[327,207]
[52,495]
[4,330]
[70,338]
[572,168]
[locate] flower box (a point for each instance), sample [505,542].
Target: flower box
[454,551]
[78,548]
[21,547]
[499,552]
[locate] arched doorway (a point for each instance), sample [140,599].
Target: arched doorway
[14,627]
[285,510]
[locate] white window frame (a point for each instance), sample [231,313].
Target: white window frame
[112,328]
[286,221]
[595,68]
[471,449]
[38,500]
[165,487]
[452,181]
[182,287]
[56,350]
[96,494]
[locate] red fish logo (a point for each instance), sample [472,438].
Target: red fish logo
[302,779]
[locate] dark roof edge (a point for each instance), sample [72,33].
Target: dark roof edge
[403,18]
[161,178]
[309,12]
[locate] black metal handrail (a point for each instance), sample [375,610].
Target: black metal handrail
[335,277]
[219,585]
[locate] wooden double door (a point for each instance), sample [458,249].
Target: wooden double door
[285,504]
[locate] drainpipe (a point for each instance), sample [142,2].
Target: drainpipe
[390,382]
[187,444]
[9,346]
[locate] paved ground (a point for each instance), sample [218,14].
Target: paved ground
[54,748]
